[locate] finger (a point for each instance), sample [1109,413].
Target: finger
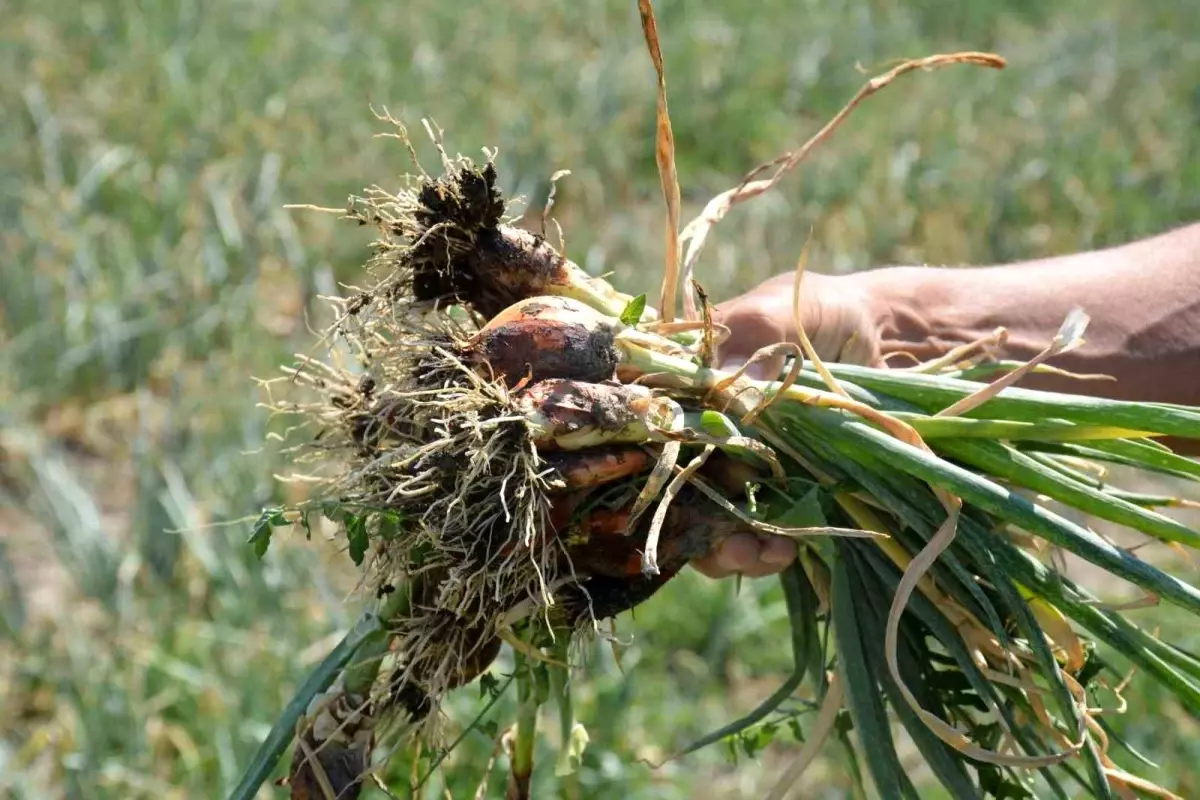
[862,348]
[774,555]
[747,555]
[733,554]
[731,475]
[778,551]
[738,552]
[752,326]
[709,567]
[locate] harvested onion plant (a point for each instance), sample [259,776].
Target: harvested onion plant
[515,452]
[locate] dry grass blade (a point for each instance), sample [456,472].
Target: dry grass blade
[1134,785]
[962,352]
[696,231]
[788,382]
[806,344]
[655,483]
[821,728]
[721,388]
[947,733]
[650,555]
[766,527]
[549,206]
[1059,631]
[664,155]
[756,447]
[1069,337]
[707,343]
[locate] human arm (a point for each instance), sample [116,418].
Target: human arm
[1143,299]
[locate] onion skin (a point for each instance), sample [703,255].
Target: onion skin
[545,337]
[510,264]
[516,264]
[602,597]
[583,469]
[341,742]
[572,415]
[344,768]
[599,546]
[545,307]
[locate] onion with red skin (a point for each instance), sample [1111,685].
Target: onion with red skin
[545,337]
[570,415]
[581,469]
[459,251]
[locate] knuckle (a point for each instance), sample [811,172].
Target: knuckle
[750,327]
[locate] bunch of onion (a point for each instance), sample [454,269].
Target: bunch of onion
[514,451]
[506,456]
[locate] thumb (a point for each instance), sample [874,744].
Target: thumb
[752,326]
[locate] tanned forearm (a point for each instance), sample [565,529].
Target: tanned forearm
[1143,300]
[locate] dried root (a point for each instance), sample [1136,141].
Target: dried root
[445,241]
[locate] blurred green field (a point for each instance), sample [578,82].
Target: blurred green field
[148,270]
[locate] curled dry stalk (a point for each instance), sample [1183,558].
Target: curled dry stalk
[818,734]
[664,156]
[696,232]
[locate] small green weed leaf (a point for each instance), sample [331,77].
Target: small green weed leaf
[260,535]
[755,739]
[389,524]
[793,724]
[571,756]
[489,685]
[632,314]
[356,533]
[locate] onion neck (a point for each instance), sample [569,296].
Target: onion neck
[674,370]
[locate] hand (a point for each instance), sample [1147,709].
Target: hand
[837,314]
[842,326]
[1145,331]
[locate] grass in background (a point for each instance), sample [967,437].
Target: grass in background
[147,270]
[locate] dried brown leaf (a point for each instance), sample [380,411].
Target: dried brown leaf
[696,231]
[664,155]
